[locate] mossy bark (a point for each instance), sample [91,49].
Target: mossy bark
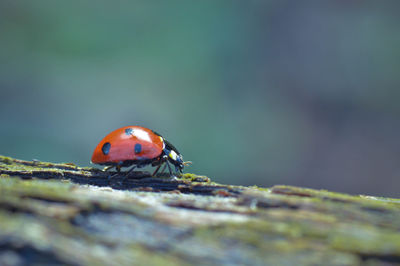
[64,214]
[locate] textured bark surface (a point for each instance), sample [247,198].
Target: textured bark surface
[63,214]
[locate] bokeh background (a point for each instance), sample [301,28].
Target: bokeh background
[253,92]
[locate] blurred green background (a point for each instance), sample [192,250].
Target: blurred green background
[253,92]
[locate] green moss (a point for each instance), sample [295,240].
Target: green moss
[195,178]
[262,189]
[277,243]
[365,239]
[325,196]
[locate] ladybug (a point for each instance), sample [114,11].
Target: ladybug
[138,147]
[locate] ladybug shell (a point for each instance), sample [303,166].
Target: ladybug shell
[131,143]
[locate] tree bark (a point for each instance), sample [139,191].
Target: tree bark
[63,214]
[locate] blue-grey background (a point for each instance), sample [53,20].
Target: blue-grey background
[253,92]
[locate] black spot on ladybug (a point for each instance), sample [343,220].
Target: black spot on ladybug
[106,148]
[128,131]
[138,148]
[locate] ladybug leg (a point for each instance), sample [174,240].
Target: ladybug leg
[108,167]
[178,170]
[117,167]
[169,168]
[158,168]
[165,167]
[159,162]
[129,171]
[112,176]
[124,175]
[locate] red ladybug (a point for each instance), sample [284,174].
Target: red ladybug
[136,146]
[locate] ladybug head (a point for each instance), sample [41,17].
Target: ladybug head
[174,156]
[178,162]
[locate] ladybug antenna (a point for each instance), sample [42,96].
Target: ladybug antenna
[187,163]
